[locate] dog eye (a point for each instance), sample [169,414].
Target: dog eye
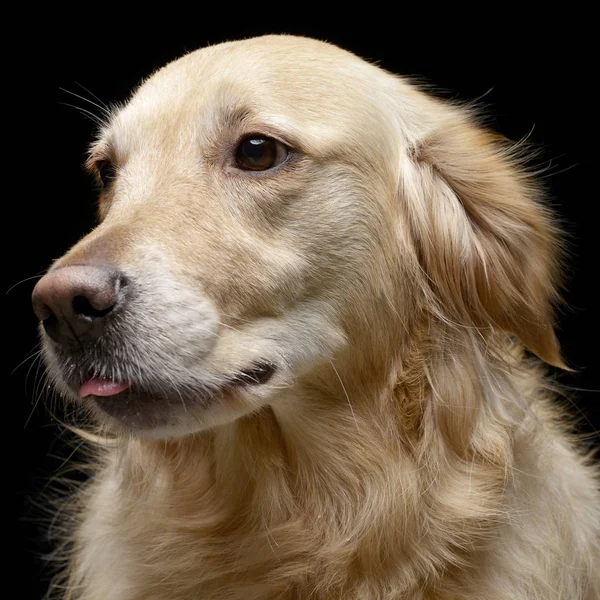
[260,153]
[106,171]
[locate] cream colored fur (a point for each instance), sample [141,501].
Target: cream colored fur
[395,271]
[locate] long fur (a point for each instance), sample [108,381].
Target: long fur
[402,276]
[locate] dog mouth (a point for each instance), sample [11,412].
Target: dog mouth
[137,408]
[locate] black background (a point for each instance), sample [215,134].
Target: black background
[535,80]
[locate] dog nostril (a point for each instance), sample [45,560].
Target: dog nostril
[50,323]
[44,312]
[83,307]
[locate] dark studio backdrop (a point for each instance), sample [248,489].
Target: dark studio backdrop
[533,81]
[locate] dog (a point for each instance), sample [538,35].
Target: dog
[310,327]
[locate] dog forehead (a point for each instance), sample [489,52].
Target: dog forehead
[285,66]
[304,84]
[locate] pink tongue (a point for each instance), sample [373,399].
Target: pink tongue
[101,387]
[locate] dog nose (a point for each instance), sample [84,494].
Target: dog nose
[73,302]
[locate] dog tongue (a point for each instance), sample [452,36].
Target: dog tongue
[101,387]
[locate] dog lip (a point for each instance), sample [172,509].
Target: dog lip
[257,374]
[139,408]
[97,386]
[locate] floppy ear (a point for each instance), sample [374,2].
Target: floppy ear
[488,247]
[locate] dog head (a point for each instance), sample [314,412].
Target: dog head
[270,205]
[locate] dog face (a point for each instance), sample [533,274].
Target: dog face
[266,206]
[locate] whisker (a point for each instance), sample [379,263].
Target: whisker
[104,110]
[36,351]
[36,395]
[39,357]
[95,118]
[106,106]
[12,287]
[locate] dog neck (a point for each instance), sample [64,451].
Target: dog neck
[326,476]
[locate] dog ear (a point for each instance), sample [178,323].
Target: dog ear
[487,246]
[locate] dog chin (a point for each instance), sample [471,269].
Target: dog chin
[162,416]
